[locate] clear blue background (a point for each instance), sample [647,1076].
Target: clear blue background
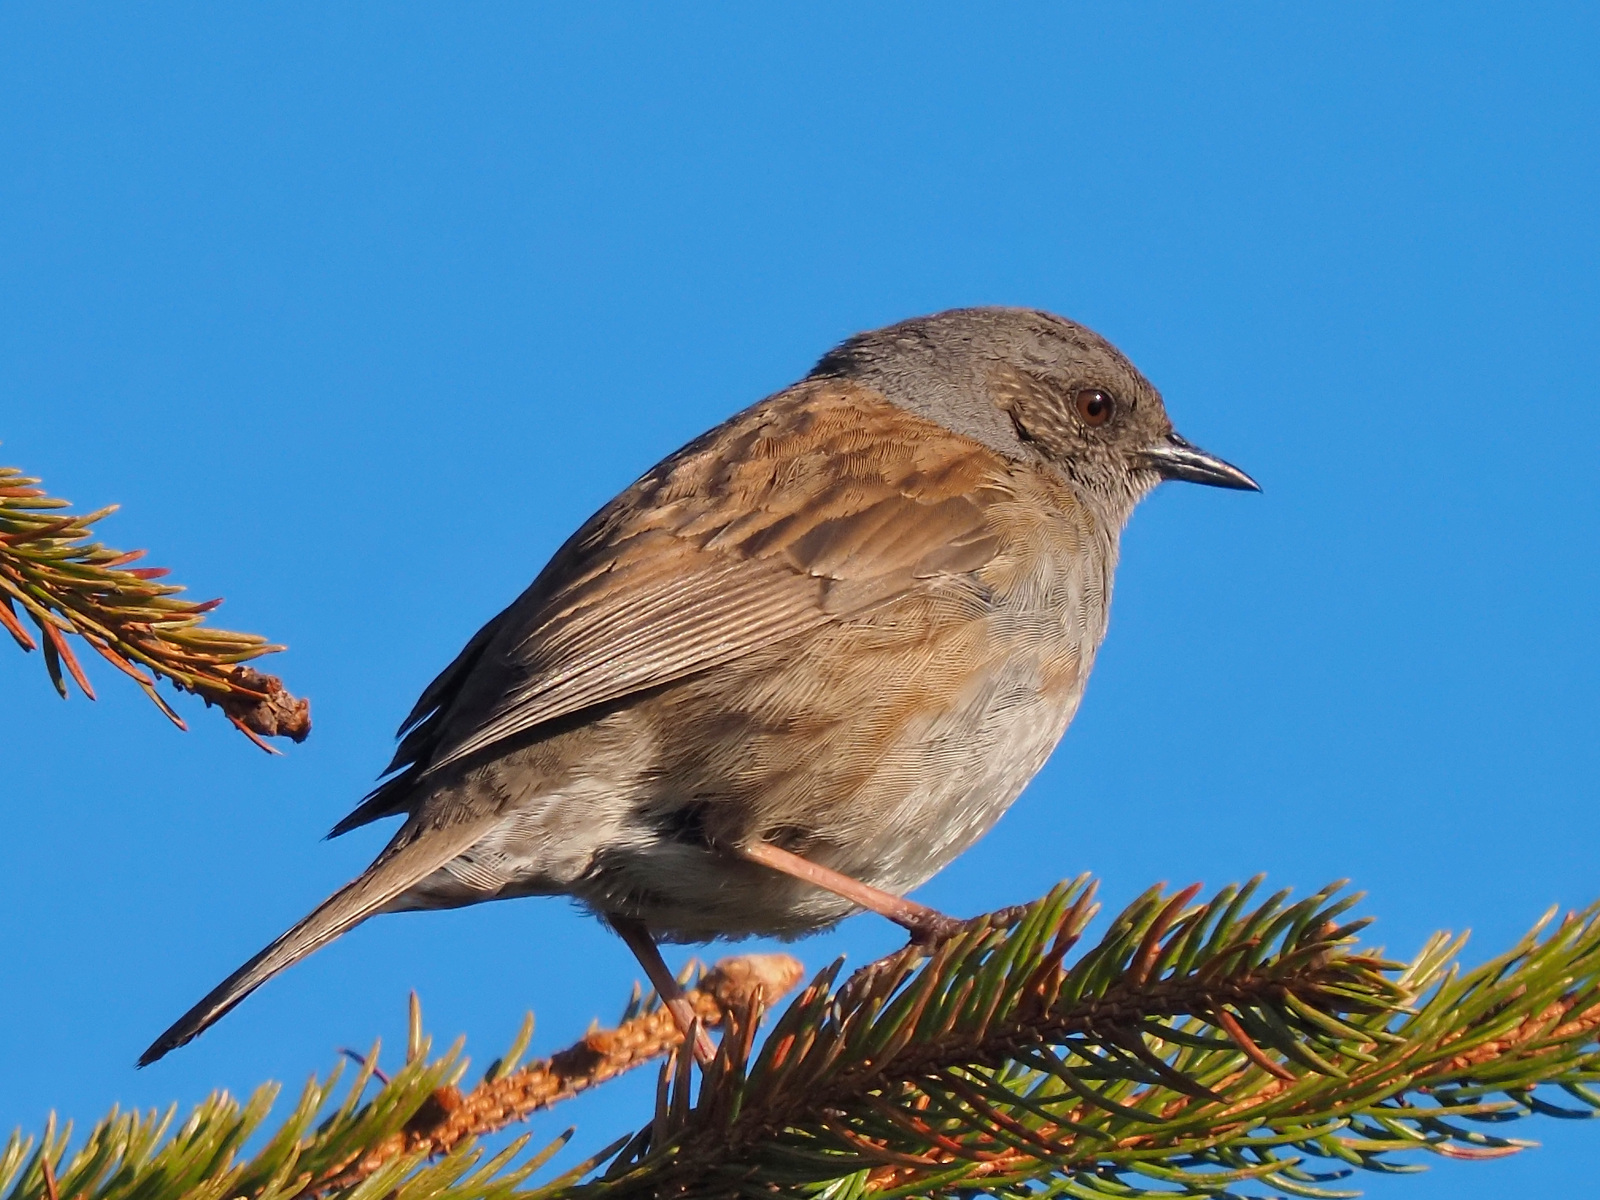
[359,311]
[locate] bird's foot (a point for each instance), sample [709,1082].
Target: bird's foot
[634,932]
[930,927]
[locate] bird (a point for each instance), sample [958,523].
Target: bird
[792,671]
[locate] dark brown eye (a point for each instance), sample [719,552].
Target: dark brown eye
[1093,405]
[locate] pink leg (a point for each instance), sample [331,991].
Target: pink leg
[637,936]
[926,924]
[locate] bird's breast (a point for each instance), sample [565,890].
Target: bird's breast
[1049,583]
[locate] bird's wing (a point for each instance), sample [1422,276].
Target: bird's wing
[818,503]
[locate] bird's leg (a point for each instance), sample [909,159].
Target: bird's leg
[637,936]
[926,925]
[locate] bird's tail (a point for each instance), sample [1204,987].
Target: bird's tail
[407,860]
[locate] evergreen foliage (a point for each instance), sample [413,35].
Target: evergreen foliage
[1231,1048]
[67,585]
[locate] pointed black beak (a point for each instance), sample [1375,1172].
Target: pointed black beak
[1174,458]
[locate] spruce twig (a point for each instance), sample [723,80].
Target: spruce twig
[1227,1049]
[1195,1050]
[450,1117]
[416,1138]
[66,585]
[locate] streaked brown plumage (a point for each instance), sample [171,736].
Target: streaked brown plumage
[849,624]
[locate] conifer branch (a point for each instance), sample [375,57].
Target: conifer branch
[69,586]
[647,1032]
[1224,1049]
[1194,1051]
[417,1138]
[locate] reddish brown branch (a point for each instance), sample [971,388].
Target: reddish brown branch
[259,704]
[448,1117]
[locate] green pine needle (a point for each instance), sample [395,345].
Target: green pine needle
[66,586]
[1224,1049]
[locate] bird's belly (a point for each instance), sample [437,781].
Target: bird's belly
[930,794]
[960,799]
[882,769]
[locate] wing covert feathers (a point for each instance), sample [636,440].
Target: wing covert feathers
[814,505]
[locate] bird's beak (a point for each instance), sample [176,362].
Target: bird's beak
[1174,458]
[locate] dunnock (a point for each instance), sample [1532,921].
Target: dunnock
[796,668]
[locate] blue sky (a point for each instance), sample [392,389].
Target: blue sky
[359,310]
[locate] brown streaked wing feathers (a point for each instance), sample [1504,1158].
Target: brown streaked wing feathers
[818,503]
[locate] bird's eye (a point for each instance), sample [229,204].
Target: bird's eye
[1094,406]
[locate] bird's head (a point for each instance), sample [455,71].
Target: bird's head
[1033,385]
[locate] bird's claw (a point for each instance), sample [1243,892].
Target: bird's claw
[936,928]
